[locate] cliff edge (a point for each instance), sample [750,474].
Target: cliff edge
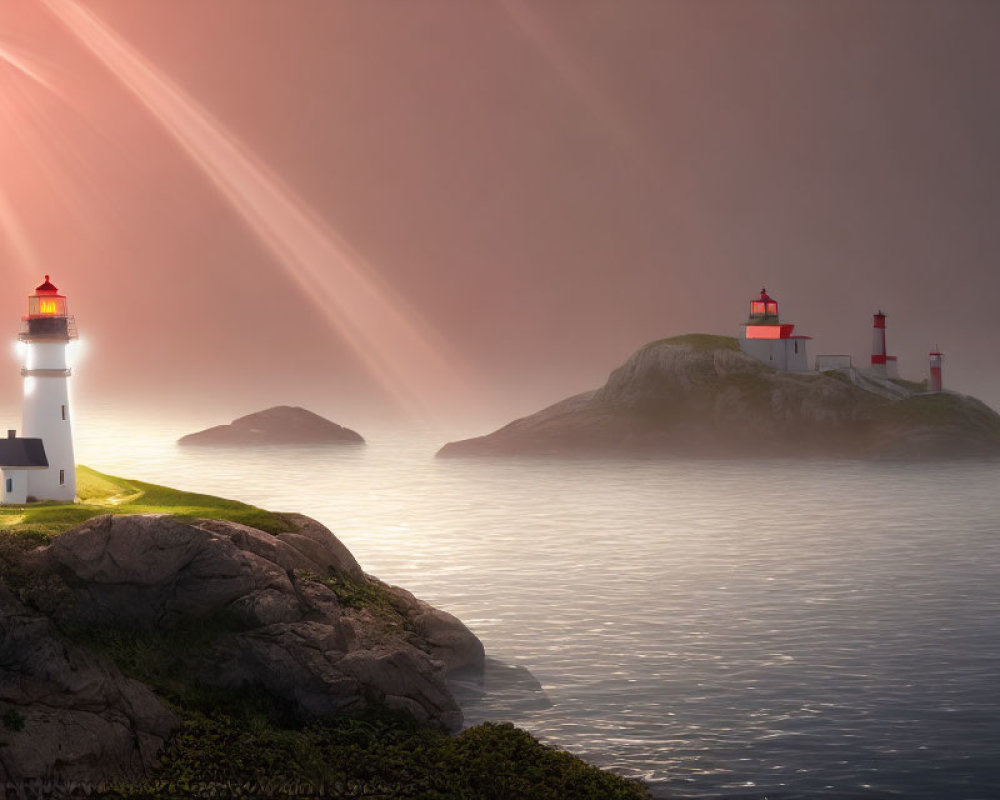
[698,395]
[219,607]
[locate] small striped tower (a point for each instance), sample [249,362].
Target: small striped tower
[46,332]
[878,344]
[936,383]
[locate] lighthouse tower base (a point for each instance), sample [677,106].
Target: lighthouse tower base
[46,417]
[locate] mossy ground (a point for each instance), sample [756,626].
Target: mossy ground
[943,410]
[701,341]
[106,494]
[380,755]
[244,743]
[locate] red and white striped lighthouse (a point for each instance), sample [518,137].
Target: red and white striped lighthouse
[883,365]
[936,383]
[878,343]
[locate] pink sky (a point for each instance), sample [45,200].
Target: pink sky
[486,206]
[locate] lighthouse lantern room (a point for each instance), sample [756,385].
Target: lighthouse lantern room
[46,332]
[769,340]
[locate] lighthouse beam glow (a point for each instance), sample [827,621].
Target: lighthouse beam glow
[398,349]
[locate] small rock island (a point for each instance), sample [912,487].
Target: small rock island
[700,395]
[280,425]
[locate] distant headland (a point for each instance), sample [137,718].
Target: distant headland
[278,425]
[702,395]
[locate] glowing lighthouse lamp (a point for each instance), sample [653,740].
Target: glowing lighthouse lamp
[41,464]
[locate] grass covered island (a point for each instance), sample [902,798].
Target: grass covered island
[242,740]
[697,395]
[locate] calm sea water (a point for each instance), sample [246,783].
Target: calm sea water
[779,630]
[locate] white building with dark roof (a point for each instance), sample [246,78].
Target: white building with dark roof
[19,457]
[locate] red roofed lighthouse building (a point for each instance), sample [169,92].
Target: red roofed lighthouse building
[46,331]
[769,340]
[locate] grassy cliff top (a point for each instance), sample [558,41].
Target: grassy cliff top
[106,494]
[700,341]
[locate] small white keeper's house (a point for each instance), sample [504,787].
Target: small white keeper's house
[18,457]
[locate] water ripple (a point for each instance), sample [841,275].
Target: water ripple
[778,630]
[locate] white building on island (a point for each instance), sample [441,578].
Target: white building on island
[768,339]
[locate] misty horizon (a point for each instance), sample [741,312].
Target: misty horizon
[536,191]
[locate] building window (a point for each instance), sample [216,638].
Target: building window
[62,477]
[10,485]
[64,412]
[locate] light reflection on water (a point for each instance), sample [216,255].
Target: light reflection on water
[740,630]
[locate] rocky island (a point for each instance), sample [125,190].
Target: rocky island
[699,395]
[165,643]
[288,425]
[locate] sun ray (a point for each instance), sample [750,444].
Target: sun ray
[18,66]
[569,71]
[24,253]
[406,357]
[23,65]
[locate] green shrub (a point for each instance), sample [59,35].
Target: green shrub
[379,754]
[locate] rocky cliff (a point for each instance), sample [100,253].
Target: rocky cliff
[699,395]
[209,604]
[289,425]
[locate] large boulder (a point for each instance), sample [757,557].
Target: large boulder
[290,614]
[280,425]
[444,636]
[700,396]
[68,712]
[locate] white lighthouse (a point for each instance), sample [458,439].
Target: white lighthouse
[46,331]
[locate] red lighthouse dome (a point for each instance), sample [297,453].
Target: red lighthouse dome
[46,288]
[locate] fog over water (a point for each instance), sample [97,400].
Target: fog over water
[781,630]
